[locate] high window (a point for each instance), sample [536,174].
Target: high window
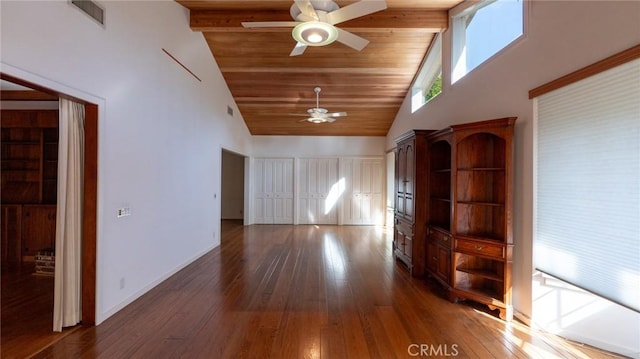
[428,83]
[483,30]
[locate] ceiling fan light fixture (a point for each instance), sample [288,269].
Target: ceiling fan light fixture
[315,33]
[316,119]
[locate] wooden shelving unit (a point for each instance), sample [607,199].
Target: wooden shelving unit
[469,240]
[439,238]
[29,157]
[483,240]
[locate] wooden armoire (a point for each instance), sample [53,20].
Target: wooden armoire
[410,200]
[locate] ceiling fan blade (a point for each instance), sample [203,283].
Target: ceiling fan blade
[358,9]
[337,114]
[351,40]
[331,119]
[298,49]
[255,24]
[307,9]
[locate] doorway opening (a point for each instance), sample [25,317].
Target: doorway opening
[28,224]
[232,196]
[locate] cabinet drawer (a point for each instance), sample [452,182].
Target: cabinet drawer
[480,248]
[440,237]
[404,227]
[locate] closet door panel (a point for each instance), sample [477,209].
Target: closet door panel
[364,179]
[319,191]
[273,185]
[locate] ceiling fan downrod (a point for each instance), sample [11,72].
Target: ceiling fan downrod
[317,91]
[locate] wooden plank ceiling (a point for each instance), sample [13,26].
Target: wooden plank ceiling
[270,87]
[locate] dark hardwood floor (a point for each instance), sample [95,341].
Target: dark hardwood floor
[284,291]
[26,324]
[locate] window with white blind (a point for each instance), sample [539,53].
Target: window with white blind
[587,205]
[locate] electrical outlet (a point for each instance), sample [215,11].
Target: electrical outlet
[122,283]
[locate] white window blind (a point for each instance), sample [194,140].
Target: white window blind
[587,216]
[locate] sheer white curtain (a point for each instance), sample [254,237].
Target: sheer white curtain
[67,309]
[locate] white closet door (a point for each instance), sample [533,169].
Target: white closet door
[273,185]
[282,190]
[319,191]
[263,203]
[365,186]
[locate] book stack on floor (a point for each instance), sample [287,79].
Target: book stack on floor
[45,262]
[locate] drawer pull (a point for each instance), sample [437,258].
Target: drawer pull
[479,248]
[446,239]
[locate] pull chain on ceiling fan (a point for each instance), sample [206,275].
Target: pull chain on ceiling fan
[315,20]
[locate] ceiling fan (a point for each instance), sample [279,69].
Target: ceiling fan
[319,114]
[315,20]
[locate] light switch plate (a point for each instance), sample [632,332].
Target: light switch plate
[123,212]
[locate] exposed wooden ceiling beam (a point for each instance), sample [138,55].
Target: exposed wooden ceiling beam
[387,20]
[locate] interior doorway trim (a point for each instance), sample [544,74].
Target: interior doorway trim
[90,209]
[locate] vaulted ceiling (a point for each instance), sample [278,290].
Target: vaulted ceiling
[274,90]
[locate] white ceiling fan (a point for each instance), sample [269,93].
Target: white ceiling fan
[315,20]
[319,114]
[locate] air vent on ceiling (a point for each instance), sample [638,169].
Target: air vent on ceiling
[90,8]
[229,111]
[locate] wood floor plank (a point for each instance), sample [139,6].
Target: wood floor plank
[282,291]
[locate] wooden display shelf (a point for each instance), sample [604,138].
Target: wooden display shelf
[442,227]
[482,272]
[481,294]
[490,204]
[480,169]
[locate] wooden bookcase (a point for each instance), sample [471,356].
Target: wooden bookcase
[439,238]
[29,157]
[482,230]
[469,241]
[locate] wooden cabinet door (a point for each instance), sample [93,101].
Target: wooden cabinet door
[403,243]
[11,236]
[444,263]
[432,257]
[401,173]
[38,228]
[405,173]
[398,241]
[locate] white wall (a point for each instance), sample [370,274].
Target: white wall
[160,129]
[561,37]
[310,146]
